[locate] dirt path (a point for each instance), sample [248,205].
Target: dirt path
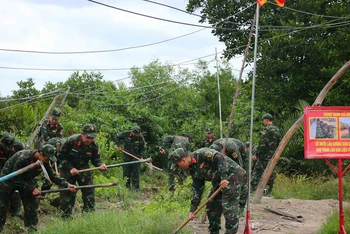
[313,213]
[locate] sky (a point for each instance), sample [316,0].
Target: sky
[79,25]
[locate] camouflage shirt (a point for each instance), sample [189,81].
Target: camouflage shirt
[209,165]
[235,149]
[74,154]
[206,142]
[175,142]
[48,131]
[6,151]
[27,181]
[270,138]
[133,144]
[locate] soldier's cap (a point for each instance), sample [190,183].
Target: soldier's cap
[90,130]
[49,151]
[185,134]
[8,138]
[176,157]
[55,113]
[267,116]
[209,130]
[56,141]
[136,129]
[215,147]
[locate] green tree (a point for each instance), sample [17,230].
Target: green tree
[299,50]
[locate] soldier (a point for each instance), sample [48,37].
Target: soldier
[8,147]
[57,142]
[210,165]
[50,128]
[175,142]
[74,155]
[269,141]
[208,140]
[26,183]
[236,150]
[134,144]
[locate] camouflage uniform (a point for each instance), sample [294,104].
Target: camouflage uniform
[48,131]
[74,154]
[134,144]
[210,165]
[206,142]
[175,142]
[25,184]
[57,142]
[236,150]
[270,138]
[8,147]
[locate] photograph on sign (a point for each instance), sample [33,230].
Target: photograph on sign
[344,127]
[327,132]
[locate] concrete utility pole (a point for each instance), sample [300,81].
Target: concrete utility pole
[64,98]
[31,139]
[218,79]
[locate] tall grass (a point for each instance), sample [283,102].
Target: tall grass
[315,188]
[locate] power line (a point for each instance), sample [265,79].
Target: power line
[309,13]
[172,7]
[118,49]
[162,19]
[99,51]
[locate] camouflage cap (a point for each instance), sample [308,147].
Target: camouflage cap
[90,130]
[8,138]
[136,129]
[176,157]
[185,134]
[267,116]
[49,151]
[55,141]
[215,147]
[56,113]
[209,130]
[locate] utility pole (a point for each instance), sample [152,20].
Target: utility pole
[64,98]
[218,79]
[31,139]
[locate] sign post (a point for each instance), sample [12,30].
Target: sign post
[327,136]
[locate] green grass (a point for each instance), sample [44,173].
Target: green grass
[331,226]
[113,221]
[317,188]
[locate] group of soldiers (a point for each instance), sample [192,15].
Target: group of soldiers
[224,162]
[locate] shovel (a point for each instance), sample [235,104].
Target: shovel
[20,171]
[117,165]
[80,187]
[198,209]
[150,165]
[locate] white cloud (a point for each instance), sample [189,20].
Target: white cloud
[60,26]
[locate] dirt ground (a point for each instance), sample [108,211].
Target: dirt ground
[311,216]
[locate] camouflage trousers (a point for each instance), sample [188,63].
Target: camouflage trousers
[15,202]
[244,192]
[30,204]
[67,198]
[225,202]
[257,175]
[132,174]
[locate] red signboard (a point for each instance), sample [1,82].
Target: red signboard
[327,132]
